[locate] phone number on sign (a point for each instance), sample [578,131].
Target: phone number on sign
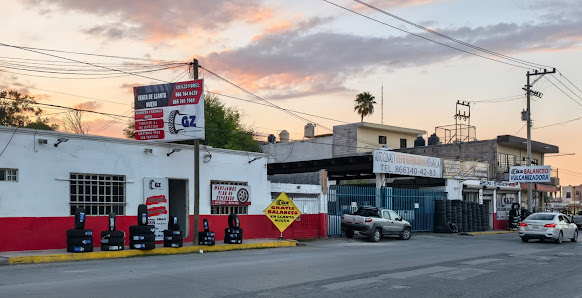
[406,170]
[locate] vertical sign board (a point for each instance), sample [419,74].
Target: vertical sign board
[282,212]
[156,196]
[169,112]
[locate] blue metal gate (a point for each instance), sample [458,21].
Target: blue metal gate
[414,205]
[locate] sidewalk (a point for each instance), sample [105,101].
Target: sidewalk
[61,255]
[491,232]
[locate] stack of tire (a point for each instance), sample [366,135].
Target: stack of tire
[141,236]
[484,217]
[79,239]
[464,221]
[514,217]
[112,240]
[207,237]
[234,233]
[470,221]
[458,215]
[440,216]
[173,236]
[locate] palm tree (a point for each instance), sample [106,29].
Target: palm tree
[364,104]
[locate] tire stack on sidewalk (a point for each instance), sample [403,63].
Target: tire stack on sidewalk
[206,237]
[142,235]
[440,216]
[484,217]
[470,222]
[234,233]
[458,212]
[476,218]
[112,240]
[173,236]
[79,239]
[514,219]
[464,223]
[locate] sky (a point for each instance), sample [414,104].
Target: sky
[313,57]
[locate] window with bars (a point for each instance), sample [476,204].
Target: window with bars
[9,175]
[98,194]
[228,209]
[505,161]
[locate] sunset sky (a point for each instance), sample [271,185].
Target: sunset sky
[313,57]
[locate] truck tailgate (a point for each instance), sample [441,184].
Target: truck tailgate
[353,219]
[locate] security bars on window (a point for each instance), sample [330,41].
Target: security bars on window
[99,194]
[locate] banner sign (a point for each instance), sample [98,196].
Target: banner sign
[169,112]
[225,194]
[156,195]
[406,164]
[473,170]
[530,174]
[282,212]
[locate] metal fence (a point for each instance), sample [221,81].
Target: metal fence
[414,205]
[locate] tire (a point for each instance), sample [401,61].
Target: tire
[172,122]
[233,241]
[80,248]
[375,235]
[80,241]
[233,221]
[80,218]
[142,215]
[206,239]
[523,239]
[73,233]
[205,225]
[142,237]
[172,233]
[173,244]
[206,234]
[105,247]
[233,230]
[405,234]
[112,234]
[575,238]
[113,241]
[173,225]
[233,236]
[209,243]
[142,229]
[451,228]
[174,238]
[560,238]
[142,245]
[349,233]
[112,220]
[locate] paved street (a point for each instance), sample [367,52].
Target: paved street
[429,265]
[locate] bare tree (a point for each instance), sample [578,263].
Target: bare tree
[73,121]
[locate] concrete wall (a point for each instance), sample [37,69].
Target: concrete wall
[345,140]
[309,149]
[368,139]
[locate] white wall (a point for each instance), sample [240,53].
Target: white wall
[41,190]
[309,149]
[308,198]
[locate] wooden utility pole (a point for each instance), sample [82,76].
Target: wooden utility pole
[196,172]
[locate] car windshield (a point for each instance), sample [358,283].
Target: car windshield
[541,217]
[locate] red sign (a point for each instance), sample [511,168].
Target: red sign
[149,135]
[148,114]
[156,200]
[186,93]
[224,194]
[149,124]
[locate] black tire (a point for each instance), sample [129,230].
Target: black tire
[73,233]
[575,238]
[142,215]
[174,227]
[206,234]
[142,245]
[206,239]
[142,229]
[80,218]
[112,241]
[142,237]
[523,239]
[80,248]
[233,241]
[349,233]
[209,242]
[173,244]
[168,233]
[172,122]
[205,225]
[112,234]
[452,227]
[233,221]
[560,238]
[440,229]
[375,235]
[105,247]
[233,230]
[173,238]
[80,241]
[233,236]
[112,221]
[405,234]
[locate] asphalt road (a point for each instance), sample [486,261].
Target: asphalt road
[428,265]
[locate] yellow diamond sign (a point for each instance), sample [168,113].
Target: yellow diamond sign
[282,212]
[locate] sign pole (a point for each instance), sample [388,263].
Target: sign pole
[196,172]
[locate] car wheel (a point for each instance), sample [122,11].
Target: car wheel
[524,240]
[575,238]
[405,235]
[375,235]
[560,238]
[349,233]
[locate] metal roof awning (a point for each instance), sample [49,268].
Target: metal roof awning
[339,168]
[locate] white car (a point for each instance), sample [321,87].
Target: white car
[548,226]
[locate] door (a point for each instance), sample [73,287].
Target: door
[396,224]
[178,189]
[387,225]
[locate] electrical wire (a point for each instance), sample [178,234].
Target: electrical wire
[9,141]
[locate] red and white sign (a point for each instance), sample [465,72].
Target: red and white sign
[224,194]
[156,194]
[169,112]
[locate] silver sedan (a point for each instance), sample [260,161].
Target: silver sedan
[548,226]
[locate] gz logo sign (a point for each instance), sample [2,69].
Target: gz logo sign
[155,184]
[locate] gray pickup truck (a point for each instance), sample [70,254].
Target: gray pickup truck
[375,223]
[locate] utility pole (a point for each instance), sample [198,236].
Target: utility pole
[196,172]
[528,116]
[382,117]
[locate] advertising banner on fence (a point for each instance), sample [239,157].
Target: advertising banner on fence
[456,169]
[282,212]
[391,162]
[169,112]
[156,195]
[224,194]
[530,174]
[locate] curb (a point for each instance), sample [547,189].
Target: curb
[491,232]
[66,257]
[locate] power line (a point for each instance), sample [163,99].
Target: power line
[559,123]
[574,100]
[425,38]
